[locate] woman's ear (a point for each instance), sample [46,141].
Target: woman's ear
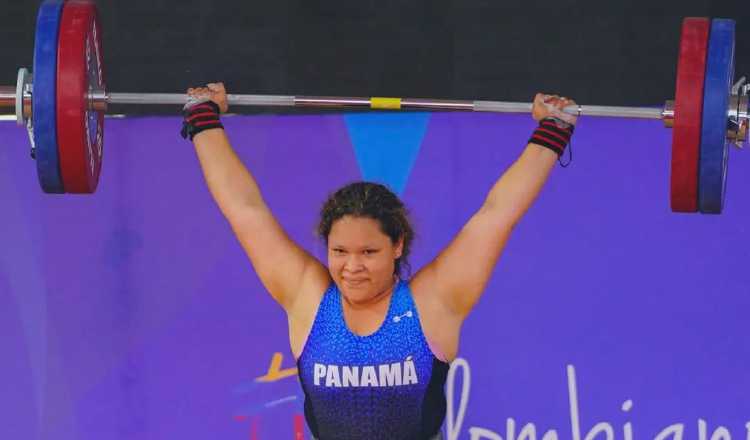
[399,247]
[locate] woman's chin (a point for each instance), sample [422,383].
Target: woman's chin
[356,292]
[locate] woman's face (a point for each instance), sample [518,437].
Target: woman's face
[361,258]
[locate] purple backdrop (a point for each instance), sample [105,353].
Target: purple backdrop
[134,314]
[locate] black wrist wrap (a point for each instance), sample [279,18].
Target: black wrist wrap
[200,117]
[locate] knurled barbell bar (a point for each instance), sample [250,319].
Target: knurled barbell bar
[63,109]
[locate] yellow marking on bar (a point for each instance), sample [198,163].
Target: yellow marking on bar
[385,103]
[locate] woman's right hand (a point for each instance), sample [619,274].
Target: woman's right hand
[551,106]
[214,92]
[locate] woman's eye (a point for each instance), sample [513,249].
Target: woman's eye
[370,251]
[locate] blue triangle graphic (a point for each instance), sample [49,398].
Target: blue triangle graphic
[386,145]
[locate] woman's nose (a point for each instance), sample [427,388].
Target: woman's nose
[353,263]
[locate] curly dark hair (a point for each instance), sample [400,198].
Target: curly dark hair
[375,201]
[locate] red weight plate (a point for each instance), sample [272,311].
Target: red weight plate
[79,72]
[686,134]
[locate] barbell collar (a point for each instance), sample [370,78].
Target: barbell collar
[7,96]
[23,96]
[738,119]
[667,115]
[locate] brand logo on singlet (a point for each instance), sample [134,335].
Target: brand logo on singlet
[384,375]
[398,318]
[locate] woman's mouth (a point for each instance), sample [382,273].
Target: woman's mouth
[354,282]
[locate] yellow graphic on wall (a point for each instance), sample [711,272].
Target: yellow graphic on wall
[275,372]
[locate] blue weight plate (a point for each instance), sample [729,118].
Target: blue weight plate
[44,96]
[716,90]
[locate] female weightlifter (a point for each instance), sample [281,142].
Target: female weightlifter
[372,347]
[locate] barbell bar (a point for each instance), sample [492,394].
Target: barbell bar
[63,106]
[99,101]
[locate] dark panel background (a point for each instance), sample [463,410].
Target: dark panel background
[616,53]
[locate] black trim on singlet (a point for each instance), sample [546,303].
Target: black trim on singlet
[433,411]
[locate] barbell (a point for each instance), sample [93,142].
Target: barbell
[63,108]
